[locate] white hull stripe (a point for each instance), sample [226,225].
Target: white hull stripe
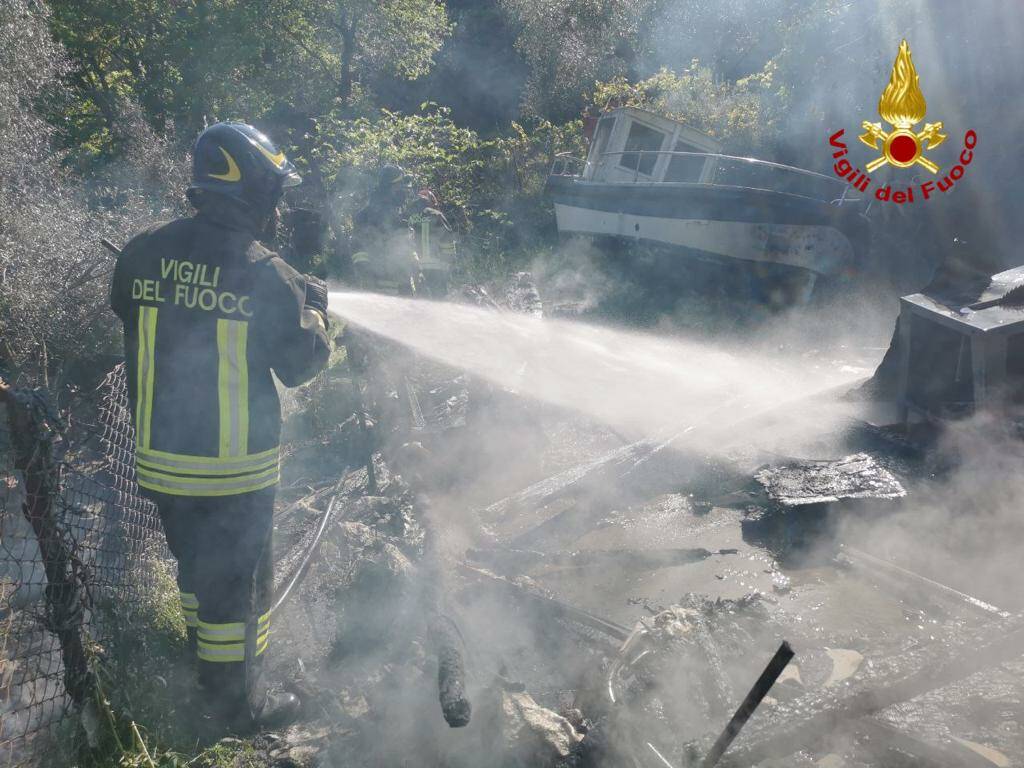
[818,248]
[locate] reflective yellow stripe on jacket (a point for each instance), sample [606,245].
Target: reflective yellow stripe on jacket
[233,387]
[182,475]
[234,470]
[144,374]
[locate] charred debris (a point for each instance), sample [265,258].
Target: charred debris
[619,603]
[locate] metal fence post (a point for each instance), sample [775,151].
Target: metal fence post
[33,434]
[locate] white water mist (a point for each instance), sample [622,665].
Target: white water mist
[640,384]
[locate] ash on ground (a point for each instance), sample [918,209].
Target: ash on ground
[597,602]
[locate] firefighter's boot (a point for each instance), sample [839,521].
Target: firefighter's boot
[278,711]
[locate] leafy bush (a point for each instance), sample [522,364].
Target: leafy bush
[743,113]
[491,188]
[54,275]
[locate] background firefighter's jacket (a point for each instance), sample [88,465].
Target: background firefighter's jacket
[434,238]
[384,257]
[208,314]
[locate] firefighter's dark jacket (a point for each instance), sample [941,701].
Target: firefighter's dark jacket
[208,313]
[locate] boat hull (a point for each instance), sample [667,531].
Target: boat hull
[717,222]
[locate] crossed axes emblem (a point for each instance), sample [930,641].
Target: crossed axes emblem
[902,137]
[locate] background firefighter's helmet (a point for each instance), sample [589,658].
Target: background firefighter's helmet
[427,196]
[390,175]
[237,161]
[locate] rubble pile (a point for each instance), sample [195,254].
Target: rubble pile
[357,624]
[616,603]
[823,482]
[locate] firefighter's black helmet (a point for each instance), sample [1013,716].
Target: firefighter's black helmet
[237,161]
[389,175]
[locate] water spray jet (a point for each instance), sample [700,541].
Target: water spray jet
[640,384]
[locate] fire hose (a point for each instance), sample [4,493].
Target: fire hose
[303,566]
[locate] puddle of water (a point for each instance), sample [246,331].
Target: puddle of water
[791,672]
[845,663]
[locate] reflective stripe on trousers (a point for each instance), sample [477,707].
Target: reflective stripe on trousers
[262,633]
[223,643]
[190,609]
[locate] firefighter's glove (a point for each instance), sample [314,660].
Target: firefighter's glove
[316,294]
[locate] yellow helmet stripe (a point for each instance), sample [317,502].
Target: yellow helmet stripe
[279,159]
[233,173]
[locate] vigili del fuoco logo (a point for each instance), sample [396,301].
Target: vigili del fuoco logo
[902,106]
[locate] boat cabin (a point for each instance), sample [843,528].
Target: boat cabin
[632,145]
[653,179]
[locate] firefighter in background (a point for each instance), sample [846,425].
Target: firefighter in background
[384,253]
[435,243]
[209,314]
[384,260]
[303,249]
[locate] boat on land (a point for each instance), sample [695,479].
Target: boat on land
[650,179]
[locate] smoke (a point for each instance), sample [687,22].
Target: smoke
[642,385]
[574,277]
[827,65]
[722,385]
[961,523]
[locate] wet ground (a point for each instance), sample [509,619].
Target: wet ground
[760,573]
[841,620]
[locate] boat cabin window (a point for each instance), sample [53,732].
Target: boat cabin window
[604,130]
[641,138]
[685,167]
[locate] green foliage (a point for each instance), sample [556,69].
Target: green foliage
[146,677]
[568,44]
[742,113]
[54,321]
[193,61]
[235,754]
[399,36]
[491,189]
[441,155]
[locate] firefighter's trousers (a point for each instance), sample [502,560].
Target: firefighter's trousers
[225,576]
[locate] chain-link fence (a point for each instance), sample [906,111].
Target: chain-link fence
[76,547]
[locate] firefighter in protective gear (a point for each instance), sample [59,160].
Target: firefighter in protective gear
[435,242]
[384,258]
[209,314]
